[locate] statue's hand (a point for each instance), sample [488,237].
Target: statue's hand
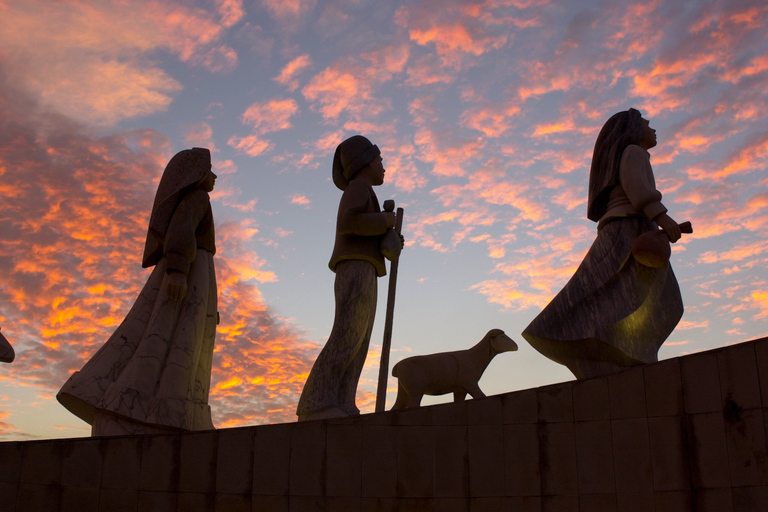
[402,242]
[669,226]
[177,286]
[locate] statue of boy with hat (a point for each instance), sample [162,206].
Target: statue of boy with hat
[357,261]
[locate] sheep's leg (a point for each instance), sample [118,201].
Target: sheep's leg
[402,398]
[414,398]
[475,391]
[459,396]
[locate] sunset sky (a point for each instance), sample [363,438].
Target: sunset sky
[486,113]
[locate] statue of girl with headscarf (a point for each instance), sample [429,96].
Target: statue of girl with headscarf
[615,312]
[153,374]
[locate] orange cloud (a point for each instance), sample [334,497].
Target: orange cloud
[89,60]
[272,116]
[288,74]
[250,145]
[288,8]
[334,90]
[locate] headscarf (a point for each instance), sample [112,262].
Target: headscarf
[621,130]
[185,170]
[352,155]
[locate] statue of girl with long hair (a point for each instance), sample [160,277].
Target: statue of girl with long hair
[615,312]
[153,374]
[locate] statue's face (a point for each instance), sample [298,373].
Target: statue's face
[375,171]
[648,137]
[209,181]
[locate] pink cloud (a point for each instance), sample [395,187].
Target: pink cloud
[272,116]
[251,145]
[288,74]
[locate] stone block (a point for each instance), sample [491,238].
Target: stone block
[81,464]
[486,504]
[746,443]
[234,461]
[632,456]
[669,453]
[739,382]
[230,502]
[486,461]
[451,468]
[160,463]
[555,403]
[308,459]
[119,500]
[713,500]
[262,503]
[627,394]
[701,383]
[80,499]
[417,417]
[485,411]
[379,504]
[121,463]
[415,504]
[41,463]
[708,452]
[523,503]
[196,502]
[635,501]
[452,505]
[415,461]
[343,503]
[197,464]
[761,355]
[344,467]
[557,455]
[594,456]
[520,407]
[453,413]
[272,460]
[591,400]
[748,499]
[664,388]
[560,503]
[35,497]
[11,455]
[8,493]
[379,461]
[521,460]
[673,501]
[160,501]
[598,502]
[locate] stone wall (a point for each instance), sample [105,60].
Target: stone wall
[685,434]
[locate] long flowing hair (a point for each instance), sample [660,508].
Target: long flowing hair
[621,130]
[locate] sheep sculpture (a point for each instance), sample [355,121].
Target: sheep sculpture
[448,372]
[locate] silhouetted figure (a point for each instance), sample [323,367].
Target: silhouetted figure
[7,355]
[154,372]
[615,312]
[357,260]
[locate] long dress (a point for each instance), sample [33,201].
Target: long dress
[154,372]
[614,312]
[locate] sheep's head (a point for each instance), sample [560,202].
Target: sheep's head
[500,342]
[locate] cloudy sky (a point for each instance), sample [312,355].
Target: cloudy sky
[486,113]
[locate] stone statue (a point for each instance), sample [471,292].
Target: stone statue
[154,372]
[7,355]
[448,372]
[357,260]
[615,312]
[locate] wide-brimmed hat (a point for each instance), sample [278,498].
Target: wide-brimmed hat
[352,155]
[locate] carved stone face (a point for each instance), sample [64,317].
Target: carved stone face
[648,137]
[373,172]
[208,182]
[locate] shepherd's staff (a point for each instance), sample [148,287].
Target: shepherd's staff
[381,392]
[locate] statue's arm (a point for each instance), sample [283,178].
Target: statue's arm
[180,243]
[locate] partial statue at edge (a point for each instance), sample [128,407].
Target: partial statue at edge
[153,374]
[7,354]
[362,233]
[616,312]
